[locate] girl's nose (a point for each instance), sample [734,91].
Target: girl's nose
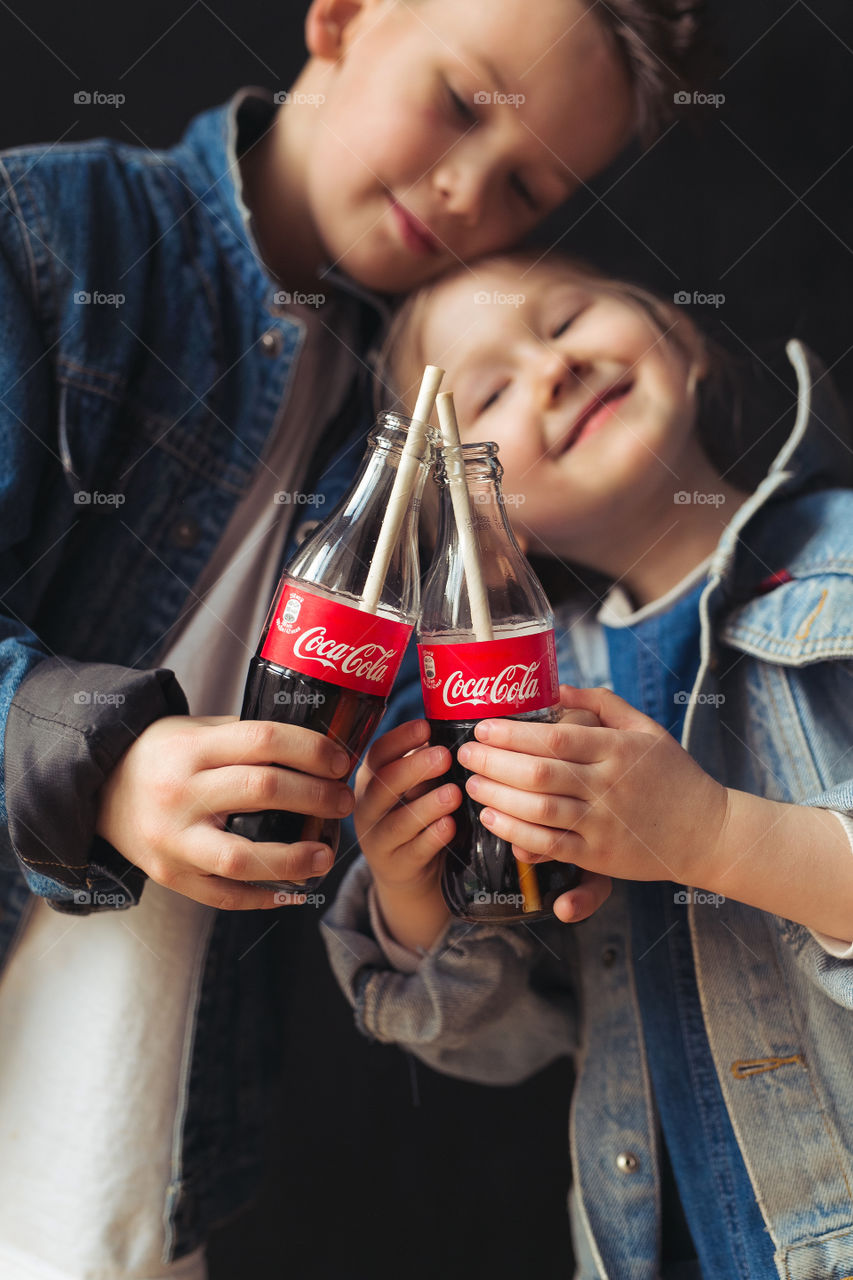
[555,377]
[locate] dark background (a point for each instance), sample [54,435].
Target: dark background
[380,1169]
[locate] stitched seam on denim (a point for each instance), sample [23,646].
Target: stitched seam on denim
[18,214]
[797,1023]
[43,234]
[102,392]
[792,719]
[809,1244]
[67,363]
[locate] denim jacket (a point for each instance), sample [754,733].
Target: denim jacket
[770,712]
[144,360]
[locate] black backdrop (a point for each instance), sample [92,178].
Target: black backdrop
[380,1169]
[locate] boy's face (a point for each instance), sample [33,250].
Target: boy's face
[590,405]
[449,129]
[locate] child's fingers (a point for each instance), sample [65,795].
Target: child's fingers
[404,825]
[395,743]
[591,892]
[254,788]
[582,744]
[561,846]
[544,809]
[424,847]
[385,789]
[542,773]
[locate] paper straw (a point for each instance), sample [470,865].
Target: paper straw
[481,618]
[404,482]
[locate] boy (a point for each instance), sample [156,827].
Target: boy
[144,445]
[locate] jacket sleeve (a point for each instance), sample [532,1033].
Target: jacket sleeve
[487,1003]
[815,953]
[63,724]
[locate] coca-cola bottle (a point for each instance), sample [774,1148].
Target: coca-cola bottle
[323,661]
[466,679]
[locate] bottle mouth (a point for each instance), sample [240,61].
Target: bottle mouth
[392,430]
[480,460]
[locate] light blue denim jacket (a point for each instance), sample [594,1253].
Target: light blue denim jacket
[771,712]
[166,400]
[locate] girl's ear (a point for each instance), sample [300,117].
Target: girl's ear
[326,24]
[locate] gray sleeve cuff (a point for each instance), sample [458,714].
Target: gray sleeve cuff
[68,725]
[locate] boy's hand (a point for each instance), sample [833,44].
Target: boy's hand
[623,799]
[402,824]
[165,804]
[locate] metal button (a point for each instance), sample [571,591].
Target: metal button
[627,1162]
[272,342]
[608,957]
[186,532]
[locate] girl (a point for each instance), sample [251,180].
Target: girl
[706,990]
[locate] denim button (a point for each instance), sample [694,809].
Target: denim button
[272,342]
[627,1162]
[608,957]
[185,533]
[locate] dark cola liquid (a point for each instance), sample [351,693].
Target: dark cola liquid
[287,696]
[480,877]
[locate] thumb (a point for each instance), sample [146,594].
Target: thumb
[613,712]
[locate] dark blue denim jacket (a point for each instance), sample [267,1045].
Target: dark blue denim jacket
[143,364]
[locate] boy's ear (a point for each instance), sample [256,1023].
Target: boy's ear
[326,24]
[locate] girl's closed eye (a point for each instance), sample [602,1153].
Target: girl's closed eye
[491,399]
[565,325]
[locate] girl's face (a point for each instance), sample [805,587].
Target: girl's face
[589,403]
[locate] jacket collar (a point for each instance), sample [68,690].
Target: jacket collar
[211,147]
[815,454]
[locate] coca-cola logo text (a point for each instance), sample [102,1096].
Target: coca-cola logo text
[515,684]
[365,661]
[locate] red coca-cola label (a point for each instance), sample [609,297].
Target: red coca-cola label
[335,642]
[489,677]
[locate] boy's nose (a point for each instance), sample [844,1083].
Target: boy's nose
[460,193]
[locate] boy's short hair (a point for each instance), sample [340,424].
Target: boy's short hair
[665,48]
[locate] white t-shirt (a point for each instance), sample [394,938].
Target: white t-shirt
[97,1013]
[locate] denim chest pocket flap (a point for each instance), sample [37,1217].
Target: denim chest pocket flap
[804,621]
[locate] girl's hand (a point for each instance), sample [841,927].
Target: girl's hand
[622,800]
[402,823]
[165,804]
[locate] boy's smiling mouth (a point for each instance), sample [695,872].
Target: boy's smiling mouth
[598,410]
[416,234]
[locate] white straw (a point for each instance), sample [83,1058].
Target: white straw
[404,482]
[481,618]
[454,464]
